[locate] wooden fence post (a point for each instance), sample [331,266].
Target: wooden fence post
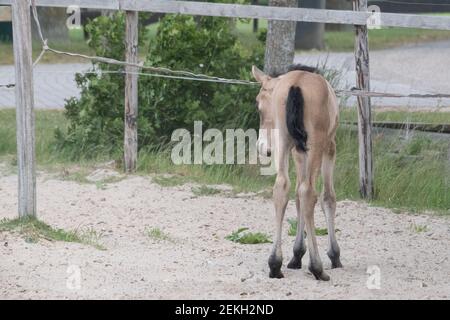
[21,22]
[366,175]
[131,93]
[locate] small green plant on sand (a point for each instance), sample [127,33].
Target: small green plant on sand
[419,228]
[169,181]
[292,231]
[240,236]
[321,231]
[205,191]
[158,235]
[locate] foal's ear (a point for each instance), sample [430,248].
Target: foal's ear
[260,76]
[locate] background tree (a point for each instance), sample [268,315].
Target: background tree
[280,41]
[310,35]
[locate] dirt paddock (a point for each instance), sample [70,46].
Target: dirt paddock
[195,261]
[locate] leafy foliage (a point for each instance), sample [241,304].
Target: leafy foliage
[205,46]
[201,45]
[96,119]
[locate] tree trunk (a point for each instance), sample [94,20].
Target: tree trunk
[280,41]
[310,35]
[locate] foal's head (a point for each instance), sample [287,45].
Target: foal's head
[266,111]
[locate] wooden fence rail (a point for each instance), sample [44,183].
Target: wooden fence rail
[256,12]
[24,71]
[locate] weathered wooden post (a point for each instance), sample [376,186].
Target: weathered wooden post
[366,175]
[131,93]
[21,21]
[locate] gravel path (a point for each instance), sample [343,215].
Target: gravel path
[196,261]
[420,68]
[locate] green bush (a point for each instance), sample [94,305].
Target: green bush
[96,119]
[202,45]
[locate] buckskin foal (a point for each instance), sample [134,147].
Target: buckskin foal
[301,107]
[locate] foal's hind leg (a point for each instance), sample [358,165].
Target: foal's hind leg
[299,245]
[308,200]
[328,202]
[280,198]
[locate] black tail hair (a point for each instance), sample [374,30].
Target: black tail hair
[294,118]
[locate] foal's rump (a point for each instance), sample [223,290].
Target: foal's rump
[311,112]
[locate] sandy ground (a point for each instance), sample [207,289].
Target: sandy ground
[198,262]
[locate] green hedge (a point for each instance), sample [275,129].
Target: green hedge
[201,45]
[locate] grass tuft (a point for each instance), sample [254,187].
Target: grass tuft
[33,230]
[419,228]
[321,231]
[292,231]
[169,181]
[240,236]
[157,234]
[205,191]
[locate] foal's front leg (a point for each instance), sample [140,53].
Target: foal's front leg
[280,198]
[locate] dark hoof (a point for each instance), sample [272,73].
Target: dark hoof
[319,274]
[276,274]
[335,261]
[295,263]
[275,264]
[336,264]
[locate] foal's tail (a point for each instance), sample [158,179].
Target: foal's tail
[294,118]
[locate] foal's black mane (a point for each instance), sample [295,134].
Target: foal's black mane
[296,67]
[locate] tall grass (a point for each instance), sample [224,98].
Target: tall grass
[46,152]
[411,171]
